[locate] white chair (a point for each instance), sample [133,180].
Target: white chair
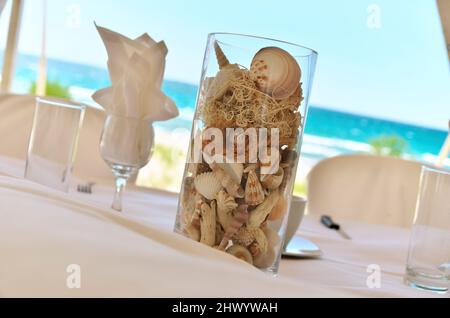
[380,190]
[16,113]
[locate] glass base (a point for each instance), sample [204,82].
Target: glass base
[428,280]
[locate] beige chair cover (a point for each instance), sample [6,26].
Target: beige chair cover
[373,189]
[16,113]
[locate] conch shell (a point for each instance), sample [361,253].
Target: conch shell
[240,217]
[241,252]
[228,72]
[221,57]
[259,215]
[225,206]
[254,192]
[208,185]
[233,188]
[276,72]
[208,224]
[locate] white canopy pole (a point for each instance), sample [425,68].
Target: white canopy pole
[11,45]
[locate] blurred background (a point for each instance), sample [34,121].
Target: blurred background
[382,84]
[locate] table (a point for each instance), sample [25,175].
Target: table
[136,254]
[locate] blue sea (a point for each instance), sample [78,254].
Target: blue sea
[327,132]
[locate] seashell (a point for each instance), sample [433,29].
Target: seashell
[259,215]
[241,252]
[276,72]
[187,200]
[219,233]
[193,227]
[260,245]
[294,101]
[225,206]
[250,167]
[233,188]
[272,236]
[288,157]
[193,232]
[208,185]
[208,224]
[272,181]
[266,260]
[254,193]
[270,161]
[199,168]
[279,210]
[222,81]
[240,218]
[221,57]
[234,170]
[245,236]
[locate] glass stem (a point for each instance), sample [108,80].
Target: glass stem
[121,183]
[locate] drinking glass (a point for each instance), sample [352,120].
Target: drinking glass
[428,264]
[251,110]
[53,142]
[126,145]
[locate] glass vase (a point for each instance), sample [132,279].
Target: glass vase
[245,146]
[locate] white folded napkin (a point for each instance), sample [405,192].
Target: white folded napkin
[136,69]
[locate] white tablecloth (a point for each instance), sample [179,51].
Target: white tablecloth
[136,254]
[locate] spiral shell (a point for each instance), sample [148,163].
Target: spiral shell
[222,60]
[254,192]
[276,72]
[240,218]
[208,185]
[241,252]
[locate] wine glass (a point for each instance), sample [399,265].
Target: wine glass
[126,146]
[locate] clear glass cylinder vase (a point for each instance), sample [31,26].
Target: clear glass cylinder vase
[245,146]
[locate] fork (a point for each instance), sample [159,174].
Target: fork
[85,188]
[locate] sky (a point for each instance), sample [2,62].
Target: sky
[382,58]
